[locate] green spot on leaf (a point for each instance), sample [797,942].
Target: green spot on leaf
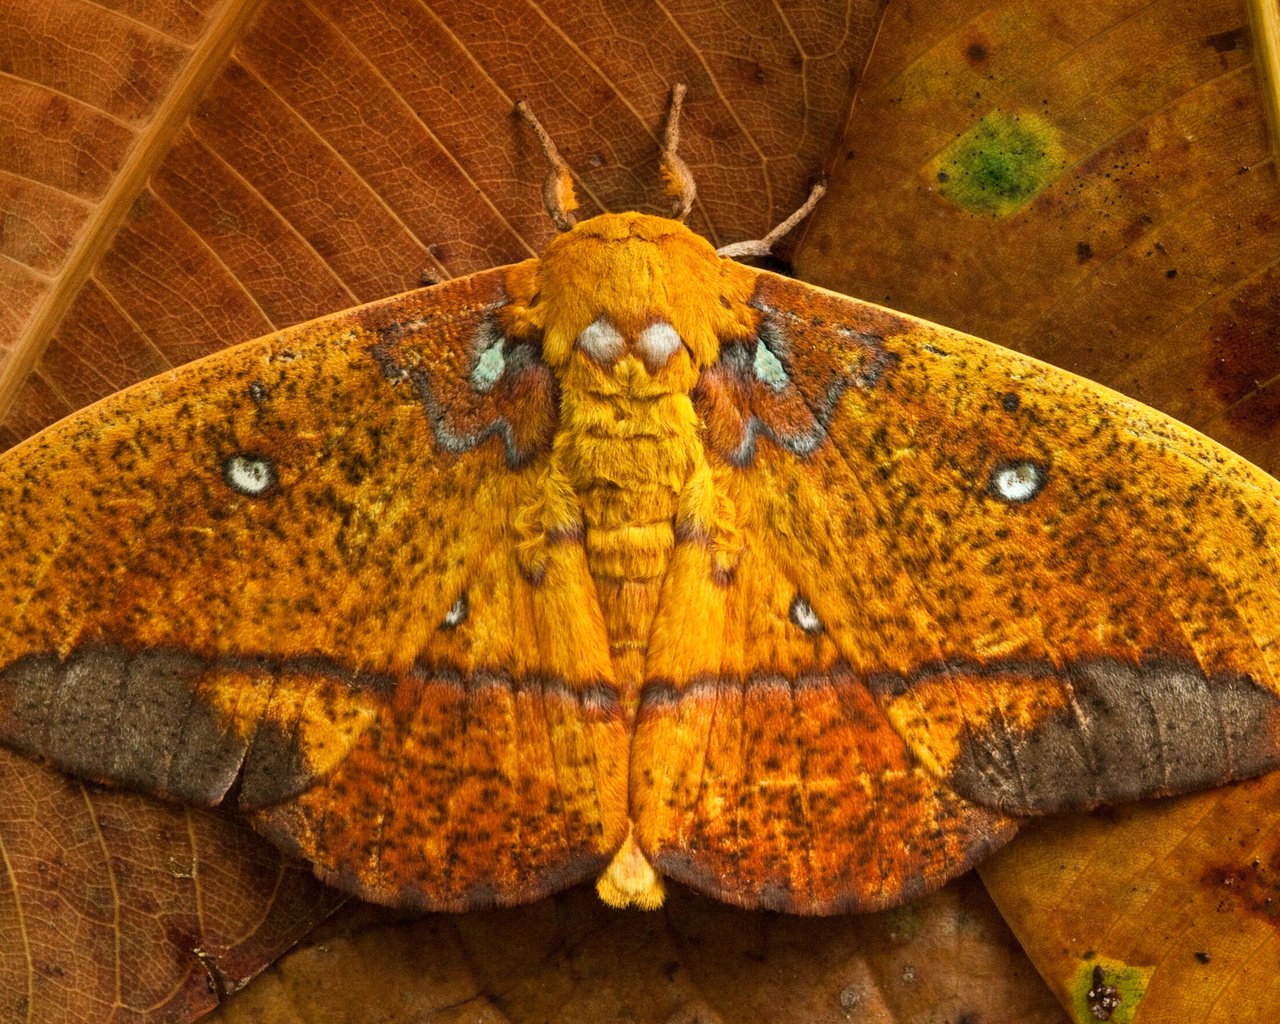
[1129,985]
[905,923]
[995,167]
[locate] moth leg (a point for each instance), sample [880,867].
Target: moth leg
[764,246]
[552,515]
[557,190]
[675,172]
[705,512]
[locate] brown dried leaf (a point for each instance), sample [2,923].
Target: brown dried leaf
[1182,893]
[1145,253]
[1096,185]
[948,957]
[117,908]
[343,151]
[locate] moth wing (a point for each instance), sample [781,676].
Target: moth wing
[287,571]
[973,587]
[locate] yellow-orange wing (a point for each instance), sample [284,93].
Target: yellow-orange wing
[288,572]
[973,587]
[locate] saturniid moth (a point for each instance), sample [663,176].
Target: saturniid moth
[632,561]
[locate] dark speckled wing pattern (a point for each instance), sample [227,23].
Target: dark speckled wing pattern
[969,587]
[286,572]
[975,587]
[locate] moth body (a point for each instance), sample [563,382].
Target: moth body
[619,305]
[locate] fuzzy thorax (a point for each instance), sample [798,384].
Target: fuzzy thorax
[633,270]
[628,311]
[621,308]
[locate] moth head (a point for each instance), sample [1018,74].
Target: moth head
[630,301]
[627,294]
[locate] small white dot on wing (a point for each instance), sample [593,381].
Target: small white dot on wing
[1017,481]
[250,475]
[803,615]
[457,613]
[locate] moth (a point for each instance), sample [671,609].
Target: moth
[634,562]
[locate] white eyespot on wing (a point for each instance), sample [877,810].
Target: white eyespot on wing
[491,362]
[1018,481]
[803,615]
[250,475]
[602,342]
[768,367]
[657,343]
[457,613]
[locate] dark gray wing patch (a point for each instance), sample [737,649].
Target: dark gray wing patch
[474,381]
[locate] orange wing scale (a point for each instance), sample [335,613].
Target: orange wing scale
[282,572]
[782,784]
[633,556]
[973,587]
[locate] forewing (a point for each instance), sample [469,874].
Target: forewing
[289,569]
[974,587]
